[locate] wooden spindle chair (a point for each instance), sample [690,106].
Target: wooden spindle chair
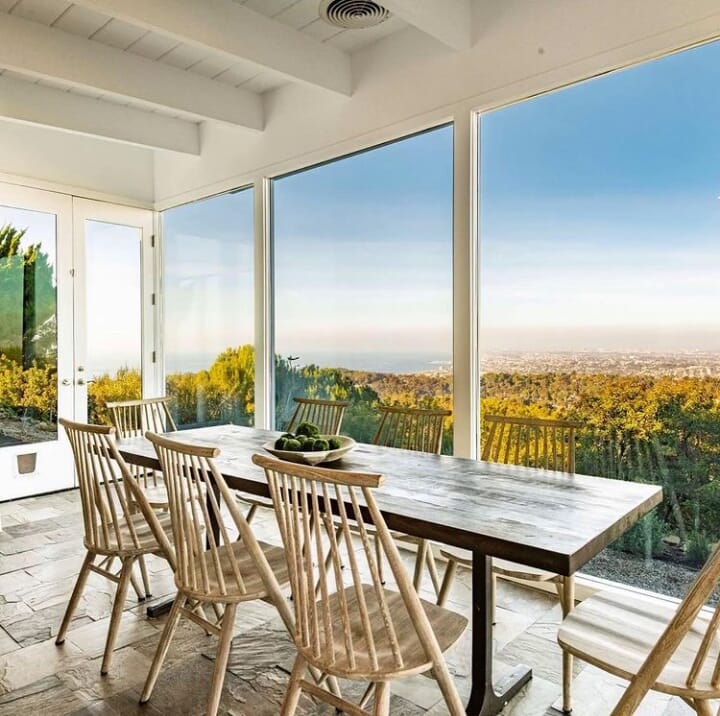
[114,526]
[326,414]
[417,429]
[132,419]
[654,643]
[532,442]
[213,566]
[346,623]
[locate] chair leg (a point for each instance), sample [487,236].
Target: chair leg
[117,610]
[163,645]
[251,513]
[381,707]
[432,569]
[420,560]
[144,575]
[77,591]
[448,688]
[137,588]
[292,695]
[448,579]
[566,588]
[221,659]
[702,707]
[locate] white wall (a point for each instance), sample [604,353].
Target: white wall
[409,81]
[75,164]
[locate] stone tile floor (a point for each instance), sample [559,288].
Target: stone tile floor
[40,555]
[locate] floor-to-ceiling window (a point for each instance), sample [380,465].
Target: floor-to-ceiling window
[208,308]
[599,290]
[362,275]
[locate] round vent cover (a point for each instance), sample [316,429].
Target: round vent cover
[353,14]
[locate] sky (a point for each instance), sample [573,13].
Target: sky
[599,230]
[600,213]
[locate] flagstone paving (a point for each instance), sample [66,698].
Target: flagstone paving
[40,554]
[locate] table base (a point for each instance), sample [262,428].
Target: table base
[485,700]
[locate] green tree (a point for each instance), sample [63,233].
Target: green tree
[27,300]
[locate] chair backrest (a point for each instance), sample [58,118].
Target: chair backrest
[133,418]
[341,615]
[703,666]
[411,428]
[326,414]
[533,442]
[109,494]
[199,499]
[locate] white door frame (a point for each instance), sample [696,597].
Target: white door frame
[89,210]
[54,469]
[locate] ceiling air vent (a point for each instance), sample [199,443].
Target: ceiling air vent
[353,14]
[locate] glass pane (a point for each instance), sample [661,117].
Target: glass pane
[28,327]
[113,273]
[600,219]
[209,314]
[363,281]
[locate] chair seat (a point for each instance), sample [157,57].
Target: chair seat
[617,632]
[146,541]
[230,591]
[502,566]
[447,625]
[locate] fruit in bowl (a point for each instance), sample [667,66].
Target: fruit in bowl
[308,446]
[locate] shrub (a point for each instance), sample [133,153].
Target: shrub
[698,548]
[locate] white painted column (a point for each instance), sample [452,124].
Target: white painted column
[465,285]
[264,349]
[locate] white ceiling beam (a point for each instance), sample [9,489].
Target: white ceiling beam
[238,33]
[449,21]
[32,48]
[30,103]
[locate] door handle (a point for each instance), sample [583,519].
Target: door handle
[80,381]
[65,381]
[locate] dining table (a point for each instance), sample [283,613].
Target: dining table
[540,518]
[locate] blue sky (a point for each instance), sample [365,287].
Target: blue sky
[599,230]
[601,217]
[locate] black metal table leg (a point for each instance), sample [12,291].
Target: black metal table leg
[485,699]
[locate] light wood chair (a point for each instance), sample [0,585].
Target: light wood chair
[346,623]
[326,414]
[654,643]
[132,419]
[213,567]
[422,430]
[532,442]
[114,526]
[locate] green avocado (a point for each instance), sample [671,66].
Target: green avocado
[321,444]
[280,443]
[308,444]
[293,444]
[334,443]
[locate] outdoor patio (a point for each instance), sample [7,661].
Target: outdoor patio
[40,555]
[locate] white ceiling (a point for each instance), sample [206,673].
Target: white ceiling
[211,64]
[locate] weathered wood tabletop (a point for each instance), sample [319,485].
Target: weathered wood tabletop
[544,519]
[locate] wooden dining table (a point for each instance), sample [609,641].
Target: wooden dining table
[540,518]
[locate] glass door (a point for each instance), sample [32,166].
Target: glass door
[36,341]
[114,307]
